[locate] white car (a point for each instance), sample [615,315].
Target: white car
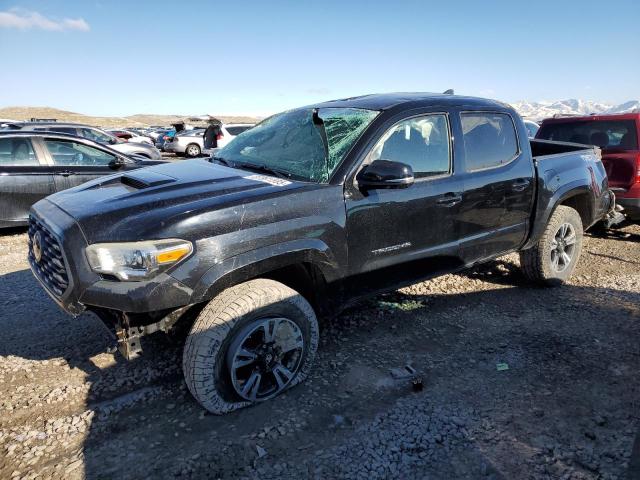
[190,143]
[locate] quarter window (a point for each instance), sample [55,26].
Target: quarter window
[17,152]
[489,140]
[421,142]
[69,153]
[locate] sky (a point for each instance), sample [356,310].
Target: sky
[259,57]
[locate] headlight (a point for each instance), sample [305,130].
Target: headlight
[137,261]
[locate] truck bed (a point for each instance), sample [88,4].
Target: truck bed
[545,148]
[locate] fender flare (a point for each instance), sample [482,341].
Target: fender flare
[542,217]
[254,263]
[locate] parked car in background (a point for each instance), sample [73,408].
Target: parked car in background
[163,138]
[190,143]
[36,164]
[617,136]
[92,133]
[310,211]
[156,133]
[532,128]
[131,136]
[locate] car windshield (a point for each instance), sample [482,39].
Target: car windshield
[306,144]
[606,134]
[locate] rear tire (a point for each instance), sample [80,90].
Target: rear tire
[552,260]
[192,150]
[229,361]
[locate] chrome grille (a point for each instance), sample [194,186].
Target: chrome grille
[49,267]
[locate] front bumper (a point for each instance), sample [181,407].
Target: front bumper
[86,289]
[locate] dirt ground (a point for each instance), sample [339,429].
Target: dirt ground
[518,382]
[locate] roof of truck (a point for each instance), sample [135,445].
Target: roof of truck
[385,101]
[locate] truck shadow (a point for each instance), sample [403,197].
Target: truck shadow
[145,423]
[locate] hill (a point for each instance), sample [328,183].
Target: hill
[138,120]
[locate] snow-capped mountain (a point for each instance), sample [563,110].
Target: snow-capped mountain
[541,110]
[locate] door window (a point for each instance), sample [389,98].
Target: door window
[489,140]
[96,135]
[69,153]
[421,142]
[17,152]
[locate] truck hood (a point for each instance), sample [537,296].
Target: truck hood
[164,200]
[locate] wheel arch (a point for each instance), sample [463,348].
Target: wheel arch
[308,271]
[576,195]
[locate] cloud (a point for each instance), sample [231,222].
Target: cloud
[26,20]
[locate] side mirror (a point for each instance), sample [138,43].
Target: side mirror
[116,163]
[385,174]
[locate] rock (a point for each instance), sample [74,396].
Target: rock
[261,451]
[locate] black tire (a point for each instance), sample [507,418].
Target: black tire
[538,262]
[216,331]
[192,150]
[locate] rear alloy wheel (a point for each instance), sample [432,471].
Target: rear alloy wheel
[250,343]
[192,150]
[552,260]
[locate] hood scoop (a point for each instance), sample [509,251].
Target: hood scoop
[145,178]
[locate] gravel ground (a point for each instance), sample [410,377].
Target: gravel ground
[566,406]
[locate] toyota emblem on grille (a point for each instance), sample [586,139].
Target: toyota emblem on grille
[37,247]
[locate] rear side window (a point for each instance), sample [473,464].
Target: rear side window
[489,139]
[17,152]
[603,133]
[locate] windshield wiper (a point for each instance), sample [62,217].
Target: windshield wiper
[263,169]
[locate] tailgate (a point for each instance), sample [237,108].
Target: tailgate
[621,168]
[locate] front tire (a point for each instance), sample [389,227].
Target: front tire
[192,150]
[249,344]
[552,260]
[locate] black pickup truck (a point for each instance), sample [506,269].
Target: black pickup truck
[309,211]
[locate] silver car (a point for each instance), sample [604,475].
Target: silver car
[190,143]
[92,133]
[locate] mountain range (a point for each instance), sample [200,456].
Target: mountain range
[540,110]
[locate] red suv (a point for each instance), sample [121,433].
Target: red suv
[617,136]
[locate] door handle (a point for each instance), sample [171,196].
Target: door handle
[520,184]
[449,199]
[65,173]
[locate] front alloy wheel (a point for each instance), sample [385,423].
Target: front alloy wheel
[250,343]
[264,357]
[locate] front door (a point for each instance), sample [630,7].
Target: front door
[23,180]
[387,228]
[74,163]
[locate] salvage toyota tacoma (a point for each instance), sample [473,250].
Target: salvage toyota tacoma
[310,211]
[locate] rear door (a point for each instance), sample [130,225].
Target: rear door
[498,186]
[74,163]
[24,179]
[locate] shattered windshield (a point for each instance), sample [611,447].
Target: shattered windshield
[292,143]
